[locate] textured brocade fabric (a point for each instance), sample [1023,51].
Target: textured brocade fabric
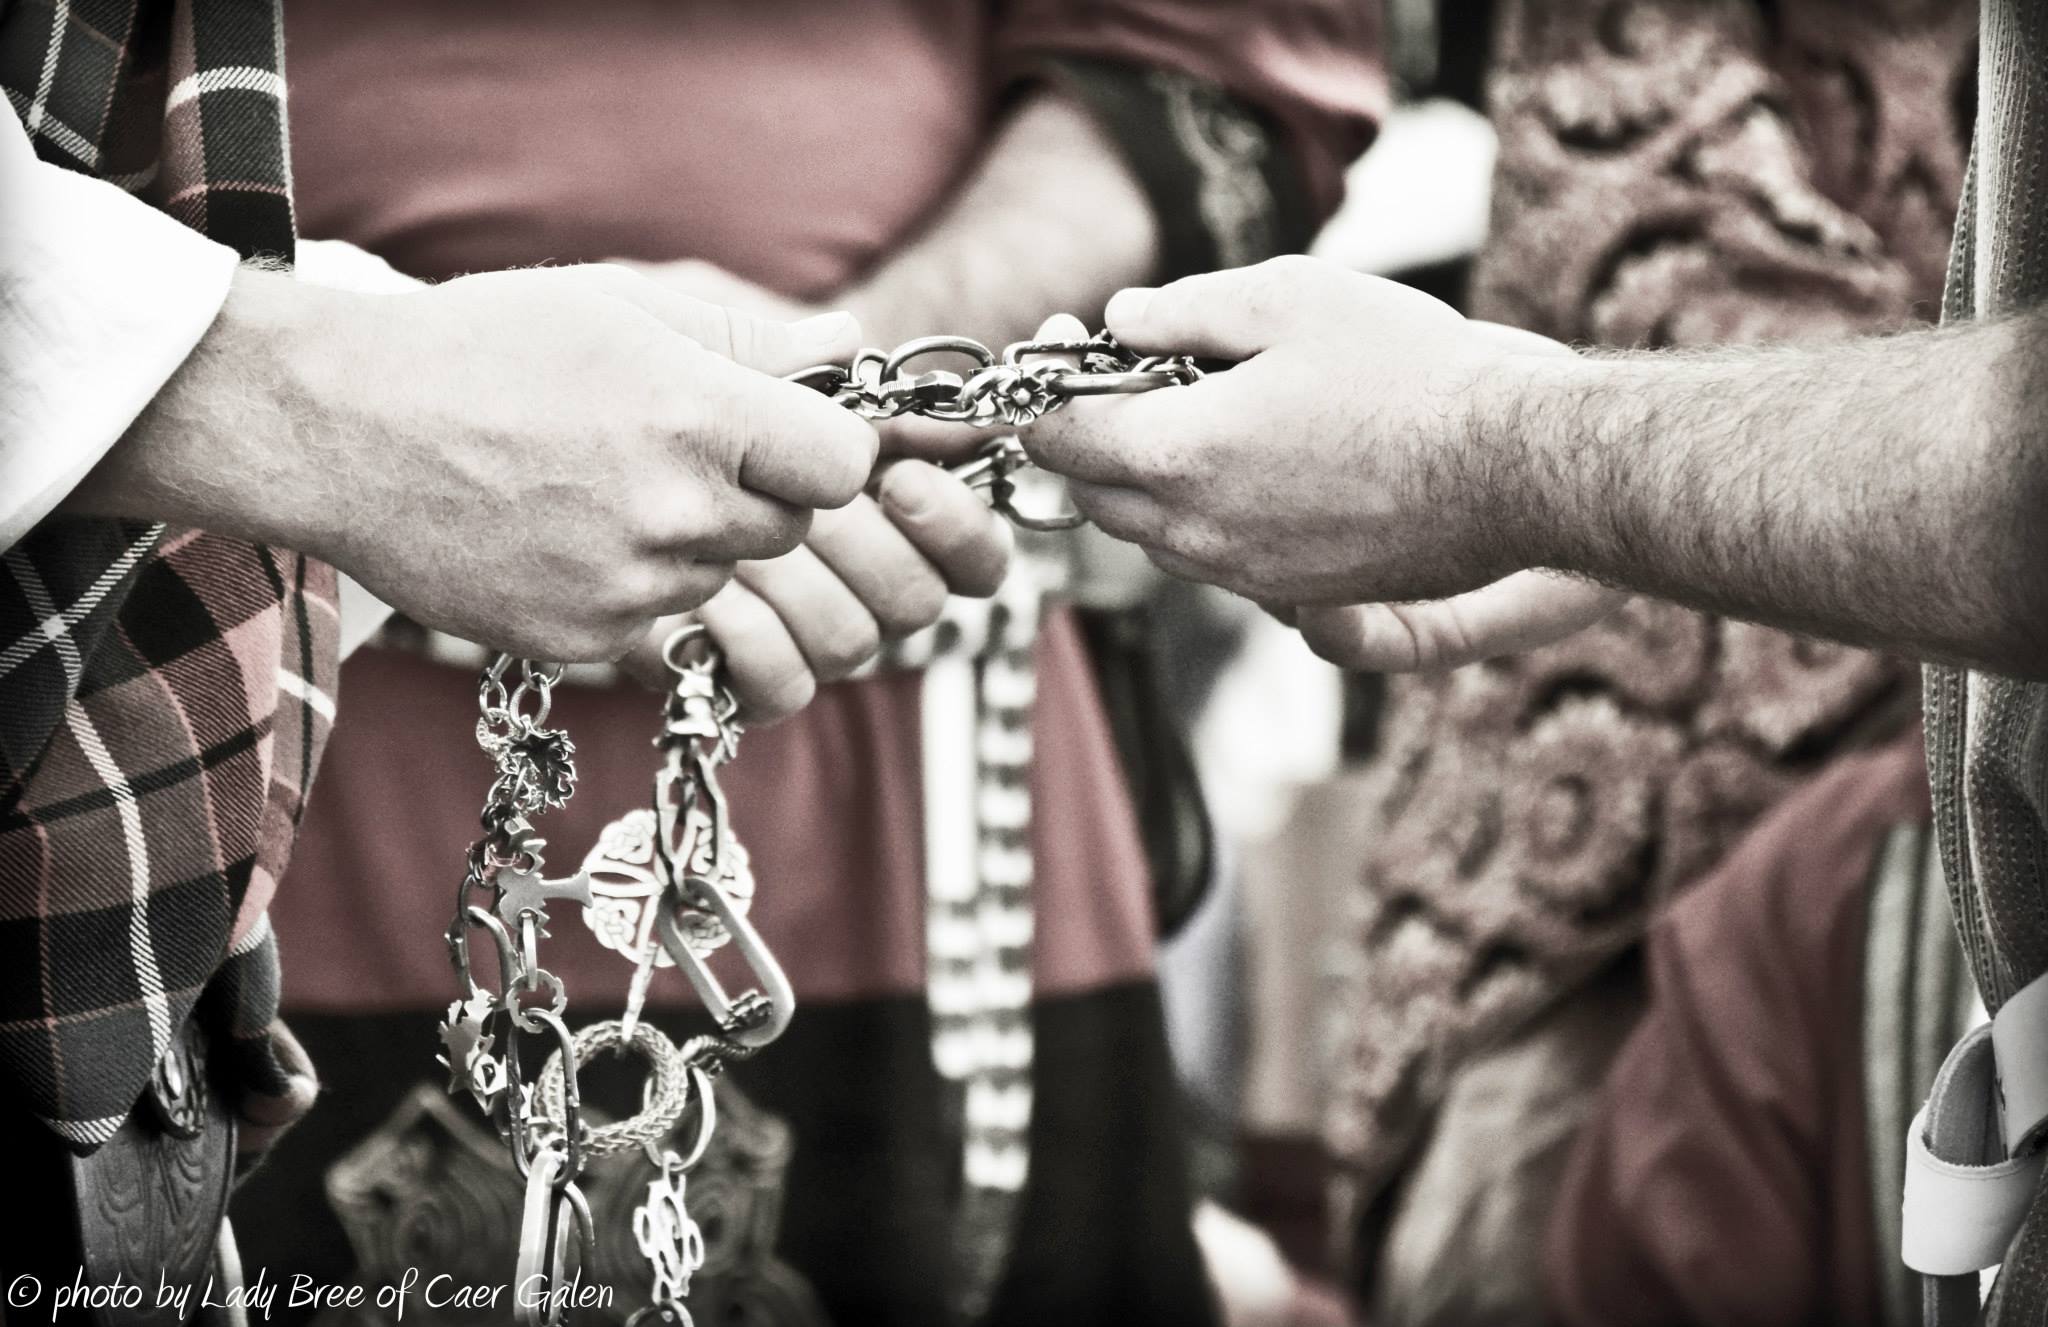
[1672,172]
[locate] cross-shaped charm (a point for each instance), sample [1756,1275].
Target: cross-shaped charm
[525,891]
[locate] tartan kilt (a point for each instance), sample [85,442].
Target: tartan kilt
[139,847]
[164,694]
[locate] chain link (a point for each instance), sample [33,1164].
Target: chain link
[1027,380]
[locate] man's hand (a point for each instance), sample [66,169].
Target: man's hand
[1331,466]
[877,569]
[541,460]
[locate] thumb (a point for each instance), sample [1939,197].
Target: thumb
[1233,314]
[766,344]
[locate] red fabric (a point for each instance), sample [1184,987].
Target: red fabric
[794,144]
[1311,64]
[828,804]
[1723,1178]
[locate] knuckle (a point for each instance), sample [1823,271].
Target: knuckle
[911,606]
[782,531]
[848,645]
[780,694]
[850,463]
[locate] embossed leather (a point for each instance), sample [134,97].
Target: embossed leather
[148,1205]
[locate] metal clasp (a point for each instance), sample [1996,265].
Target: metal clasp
[756,1017]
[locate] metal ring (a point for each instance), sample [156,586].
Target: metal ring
[1015,352]
[892,367]
[1078,383]
[684,635]
[669,1088]
[509,967]
[826,378]
[707,1116]
[527,983]
[571,1123]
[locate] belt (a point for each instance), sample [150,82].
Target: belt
[144,1213]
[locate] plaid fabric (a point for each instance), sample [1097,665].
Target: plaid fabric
[163,694]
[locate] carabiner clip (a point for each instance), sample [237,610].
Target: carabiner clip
[737,1017]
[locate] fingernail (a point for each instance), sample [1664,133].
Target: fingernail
[911,490]
[1129,305]
[822,329]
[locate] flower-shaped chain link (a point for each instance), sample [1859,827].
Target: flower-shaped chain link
[1007,391]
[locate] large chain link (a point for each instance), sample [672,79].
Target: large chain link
[1027,380]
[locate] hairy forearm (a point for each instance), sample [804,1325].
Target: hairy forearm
[219,446]
[1892,492]
[1051,220]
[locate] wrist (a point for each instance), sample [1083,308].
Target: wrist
[1528,418]
[222,447]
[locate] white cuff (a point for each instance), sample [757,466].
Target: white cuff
[101,299]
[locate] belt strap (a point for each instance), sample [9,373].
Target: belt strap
[1973,1156]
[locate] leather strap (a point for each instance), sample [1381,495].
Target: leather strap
[1966,1195]
[2019,1038]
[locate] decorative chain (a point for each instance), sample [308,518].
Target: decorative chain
[685,888]
[668,884]
[1027,380]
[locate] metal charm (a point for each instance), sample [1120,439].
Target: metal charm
[467,1050]
[666,1234]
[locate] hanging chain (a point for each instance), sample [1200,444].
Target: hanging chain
[697,887]
[1027,380]
[668,884]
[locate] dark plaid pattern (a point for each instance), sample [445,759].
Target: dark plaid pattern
[164,694]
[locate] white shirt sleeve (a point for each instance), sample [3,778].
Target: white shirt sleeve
[101,299]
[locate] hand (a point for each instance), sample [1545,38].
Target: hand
[1518,612]
[930,439]
[877,569]
[711,283]
[1336,464]
[541,460]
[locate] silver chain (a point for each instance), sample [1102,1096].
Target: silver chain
[1027,380]
[697,872]
[697,864]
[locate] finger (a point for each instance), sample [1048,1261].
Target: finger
[967,544]
[769,676]
[863,547]
[930,439]
[1518,612]
[1061,327]
[1129,514]
[831,626]
[1109,440]
[746,527]
[799,446]
[644,663]
[1237,313]
[767,344]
